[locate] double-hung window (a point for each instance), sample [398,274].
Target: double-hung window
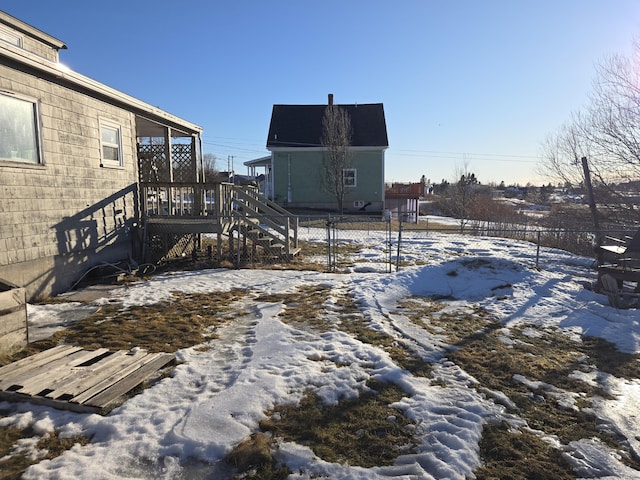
[19,129]
[110,144]
[349,178]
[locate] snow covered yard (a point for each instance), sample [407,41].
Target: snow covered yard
[487,353]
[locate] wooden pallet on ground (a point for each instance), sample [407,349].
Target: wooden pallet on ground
[71,378]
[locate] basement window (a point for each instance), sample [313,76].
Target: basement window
[349,177]
[110,144]
[19,129]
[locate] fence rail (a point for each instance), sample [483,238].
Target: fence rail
[334,243]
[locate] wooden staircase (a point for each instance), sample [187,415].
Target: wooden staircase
[264,226]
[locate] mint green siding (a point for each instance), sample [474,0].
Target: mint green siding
[300,172]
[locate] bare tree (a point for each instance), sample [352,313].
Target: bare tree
[607,133]
[209,165]
[336,158]
[457,198]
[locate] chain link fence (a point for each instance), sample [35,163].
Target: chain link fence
[366,244]
[383,245]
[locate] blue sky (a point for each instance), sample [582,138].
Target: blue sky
[463,82]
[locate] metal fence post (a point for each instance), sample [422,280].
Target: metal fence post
[538,250]
[399,241]
[329,263]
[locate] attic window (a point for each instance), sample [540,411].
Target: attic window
[10,37]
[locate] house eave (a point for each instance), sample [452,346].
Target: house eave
[320,149]
[27,29]
[63,74]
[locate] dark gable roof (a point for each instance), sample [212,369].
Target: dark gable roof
[301,125]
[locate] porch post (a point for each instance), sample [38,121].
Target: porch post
[197,188]
[169,159]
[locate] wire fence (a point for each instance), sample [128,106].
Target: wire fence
[382,245]
[376,244]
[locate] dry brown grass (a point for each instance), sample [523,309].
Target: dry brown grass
[184,320]
[13,464]
[493,355]
[304,308]
[514,454]
[253,459]
[364,431]
[358,431]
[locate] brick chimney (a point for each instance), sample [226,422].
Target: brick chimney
[330,99]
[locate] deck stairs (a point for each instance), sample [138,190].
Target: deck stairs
[264,224]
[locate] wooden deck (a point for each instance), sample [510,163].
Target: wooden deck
[71,378]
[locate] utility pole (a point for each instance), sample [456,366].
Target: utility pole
[230,166]
[592,205]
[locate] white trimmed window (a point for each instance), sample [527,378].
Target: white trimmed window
[19,129]
[110,144]
[10,37]
[349,177]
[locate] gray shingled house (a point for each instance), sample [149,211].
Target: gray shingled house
[69,152]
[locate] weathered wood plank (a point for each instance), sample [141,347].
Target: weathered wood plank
[34,361]
[16,297]
[129,382]
[13,320]
[13,342]
[71,378]
[74,407]
[32,383]
[91,375]
[116,377]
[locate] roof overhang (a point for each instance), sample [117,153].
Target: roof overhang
[23,27]
[321,149]
[63,75]
[258,162]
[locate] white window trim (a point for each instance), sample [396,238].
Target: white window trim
[104,162]
[37,125]
[11,37]
[355,177]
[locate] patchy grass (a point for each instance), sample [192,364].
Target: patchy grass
[518,454]
[364,431]
[532,367]
[307,307]
[534,370]
[184,320]
[352,321]
[304,308]
[253,459]
[14,460]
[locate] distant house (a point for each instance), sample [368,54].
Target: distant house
[69,171]
[402,199]
[293,171]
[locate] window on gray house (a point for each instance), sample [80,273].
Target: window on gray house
[19,129]
[349,178]
[110,144]
[10,37]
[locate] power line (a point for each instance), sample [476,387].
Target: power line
[469,155]
[496,157]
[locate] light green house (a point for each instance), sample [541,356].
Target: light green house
[293,171]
